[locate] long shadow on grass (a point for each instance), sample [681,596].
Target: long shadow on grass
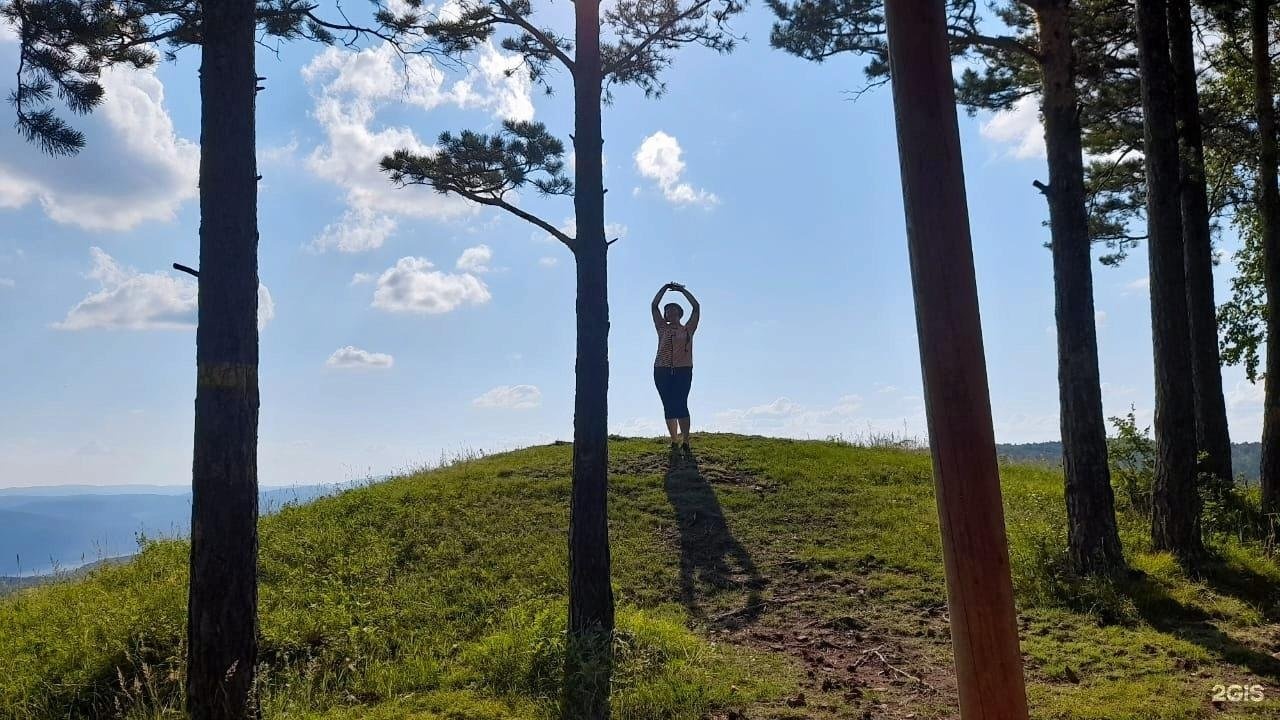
[710,556]
[1243,584]
[1194,625]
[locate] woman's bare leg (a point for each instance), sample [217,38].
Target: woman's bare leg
[671,428]
[684,430]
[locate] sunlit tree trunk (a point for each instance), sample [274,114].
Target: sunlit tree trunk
[590,593]
[223,595]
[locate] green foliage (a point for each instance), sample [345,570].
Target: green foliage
[644,33]
[1242,320]
[819,29]
[64,45]
[1117,191]
[484,168]
[1132,457]
[1228,508]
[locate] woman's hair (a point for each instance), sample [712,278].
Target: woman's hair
[679,310]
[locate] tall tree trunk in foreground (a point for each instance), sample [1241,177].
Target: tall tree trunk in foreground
[1175,522]
[222,607]
[1093,541]
[975,550]
[1269,213]
[590,658]
[1212,437]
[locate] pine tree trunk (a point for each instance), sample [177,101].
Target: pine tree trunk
[1092,538]
[1175,522]
[589,662]
[966,476]
[1212,436]
[1269,212]
[223,595]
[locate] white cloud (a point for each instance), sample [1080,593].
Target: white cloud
[130,139]
[782,407]
[1100,318]
[266,307]
[1019,127]
[358,230]
[788,418]
[132,300]
[351,88]
[638,427]
[511,397]
[6,282]
[1246,395]
[279,153]
[412,286]
[1140,286]
[351,357]
[548,261]
[361,278]
[1111,390]
[475,259]
[658,159]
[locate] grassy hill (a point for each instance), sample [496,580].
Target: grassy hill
[763,579]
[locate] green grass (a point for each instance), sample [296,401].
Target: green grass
[441,595]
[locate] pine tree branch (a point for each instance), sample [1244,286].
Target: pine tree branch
[514,18]
[498,202]
[654,36]
[962,37]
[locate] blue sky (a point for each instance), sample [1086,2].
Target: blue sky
[405,325]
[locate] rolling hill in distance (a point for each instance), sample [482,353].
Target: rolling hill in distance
[1246,457]
[62,527]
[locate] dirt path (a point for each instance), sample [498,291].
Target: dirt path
[856,664]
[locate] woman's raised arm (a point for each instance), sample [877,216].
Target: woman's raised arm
[657,314]
[697,309]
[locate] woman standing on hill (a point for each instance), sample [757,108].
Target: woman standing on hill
[673,368]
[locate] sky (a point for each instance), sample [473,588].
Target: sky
[400,326]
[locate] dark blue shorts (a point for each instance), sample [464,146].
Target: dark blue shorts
[673,387]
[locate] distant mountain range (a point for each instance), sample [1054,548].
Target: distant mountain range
[1246,458]
[43,529]
[9,583]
